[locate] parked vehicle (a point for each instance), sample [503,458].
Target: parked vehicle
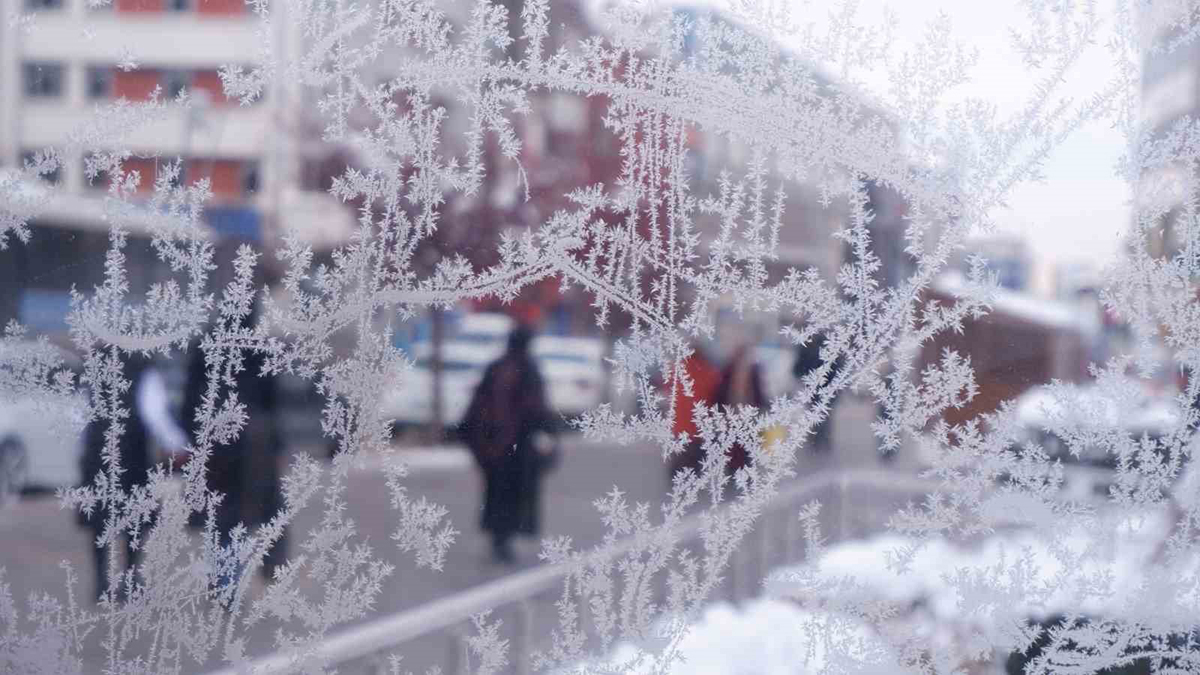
[410,402]
[573,369]
[1149,411]
[487,331]
[41,439]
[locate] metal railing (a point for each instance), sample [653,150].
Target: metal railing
[526,597]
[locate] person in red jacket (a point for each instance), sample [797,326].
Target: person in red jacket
[704,376]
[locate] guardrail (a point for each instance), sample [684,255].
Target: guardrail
[776,541]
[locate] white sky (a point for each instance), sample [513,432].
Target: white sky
[1080,211]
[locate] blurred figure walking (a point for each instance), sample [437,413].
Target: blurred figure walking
[808,359]
[740,384]
[883,414]
[149,420]
[705,377]
[249,470]
[507,427]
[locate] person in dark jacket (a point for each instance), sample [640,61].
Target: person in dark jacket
[148,419]
[808,359]
[248,471]
[507,415]
[740,384]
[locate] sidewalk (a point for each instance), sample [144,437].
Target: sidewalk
[36,534]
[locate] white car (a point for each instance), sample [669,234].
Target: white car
[410,402]
[1089,410]
[573,370]
[477,340]
[41,434]
[487,331]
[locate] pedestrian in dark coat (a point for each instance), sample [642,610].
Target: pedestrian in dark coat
[741,384]
[808,359]
[507,414]
[134,452]
[249,470]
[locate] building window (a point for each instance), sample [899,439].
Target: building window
[179,177]
[174,82]
[43,80]
[135,85]
[229,179]
[99,181]
[34,158]
[137,6]
[36,5]
[179,5]
[250,178]
[146,169]
[207,83]
[99,82]
[221,7]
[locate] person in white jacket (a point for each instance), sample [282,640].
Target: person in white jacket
[153,404]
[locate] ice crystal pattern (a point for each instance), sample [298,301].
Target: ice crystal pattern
[810,116]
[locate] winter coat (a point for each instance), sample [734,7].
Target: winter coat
[751,393]
[134,445]
[705,378]
[508,407]
[808,359]
[246,471]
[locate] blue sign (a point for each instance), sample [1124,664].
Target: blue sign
[241,222]
[44,311]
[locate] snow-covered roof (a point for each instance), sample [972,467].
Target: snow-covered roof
[1021,305]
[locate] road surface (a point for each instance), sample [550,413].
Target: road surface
[35,534]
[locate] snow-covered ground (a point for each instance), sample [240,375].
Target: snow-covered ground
[770,637]
[959,596]
[965,583]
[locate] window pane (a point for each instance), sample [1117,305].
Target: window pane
[98,182]
[99,81]
[43,80]
[174,82]
[250,178]
[33,158]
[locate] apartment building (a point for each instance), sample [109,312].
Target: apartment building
[1170,91]
[74,58]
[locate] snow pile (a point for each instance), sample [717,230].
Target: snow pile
[768,637]
[1080,572]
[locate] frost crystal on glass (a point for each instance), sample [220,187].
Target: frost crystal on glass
[803,161]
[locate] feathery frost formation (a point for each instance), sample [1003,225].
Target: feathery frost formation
[801,96]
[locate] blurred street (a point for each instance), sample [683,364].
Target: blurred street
[42,532]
